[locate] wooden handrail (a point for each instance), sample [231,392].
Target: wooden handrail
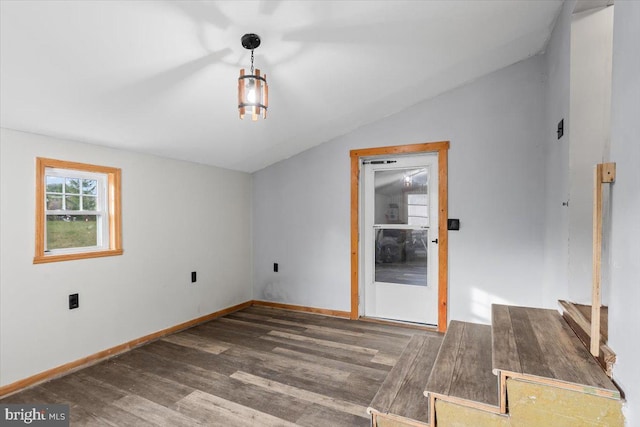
[605,173]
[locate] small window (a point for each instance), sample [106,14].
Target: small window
[77,211]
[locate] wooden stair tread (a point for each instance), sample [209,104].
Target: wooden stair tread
[462,371]
[401,393]
[539,345]
[410,401]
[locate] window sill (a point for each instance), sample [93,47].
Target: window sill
[41,259]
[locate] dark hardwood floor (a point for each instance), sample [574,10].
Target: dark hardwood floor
[259,366]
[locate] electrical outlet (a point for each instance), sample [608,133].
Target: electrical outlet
[74,301]
[193,277]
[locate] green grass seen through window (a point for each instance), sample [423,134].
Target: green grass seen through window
[71,232]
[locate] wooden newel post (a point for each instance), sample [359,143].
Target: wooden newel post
[604,173]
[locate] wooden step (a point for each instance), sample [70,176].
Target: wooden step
[578,316]
[400,399]
[462,371]
[538,345]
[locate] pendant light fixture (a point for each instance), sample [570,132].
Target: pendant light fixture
[253,92]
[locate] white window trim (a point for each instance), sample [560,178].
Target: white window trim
[102,235]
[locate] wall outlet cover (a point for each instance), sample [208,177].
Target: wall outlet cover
[74,301]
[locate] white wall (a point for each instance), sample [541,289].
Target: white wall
[496,188]
[624,315]
[557,57]
[178,217]
[589,122]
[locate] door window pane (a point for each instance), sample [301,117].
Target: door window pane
[401,256]
[418,209]
[401,196]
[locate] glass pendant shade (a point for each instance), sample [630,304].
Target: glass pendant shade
[253,95]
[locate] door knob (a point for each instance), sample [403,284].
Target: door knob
[434,241]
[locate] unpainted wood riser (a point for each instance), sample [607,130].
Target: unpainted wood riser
[390,420]
[534,405]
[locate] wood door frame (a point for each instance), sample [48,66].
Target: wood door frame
[442,149]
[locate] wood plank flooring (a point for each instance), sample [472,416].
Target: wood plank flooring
[259,366]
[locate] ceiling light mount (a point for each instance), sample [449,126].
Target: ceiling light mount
[250,41]
[253,91]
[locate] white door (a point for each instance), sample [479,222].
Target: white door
[400,230]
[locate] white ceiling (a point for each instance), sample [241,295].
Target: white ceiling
[161,76]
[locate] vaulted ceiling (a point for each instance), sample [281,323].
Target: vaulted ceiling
[161,76]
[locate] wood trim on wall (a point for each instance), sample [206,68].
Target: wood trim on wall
[115,210]
[399,324]
[443,236]
[441,148]
[305,309]
[355,236]
[113,351]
